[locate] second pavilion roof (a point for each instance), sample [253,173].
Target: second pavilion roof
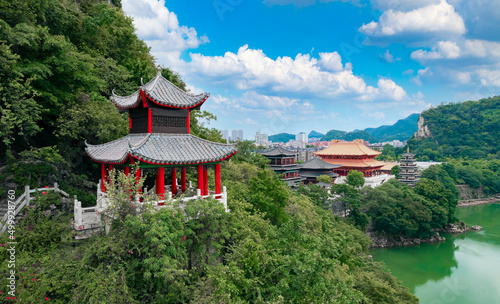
[161,149]
[162,92]
[354,148]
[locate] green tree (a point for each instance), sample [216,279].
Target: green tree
[355,179]
[324,179]
[269,196]
[395,171]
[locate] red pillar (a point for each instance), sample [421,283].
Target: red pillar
[160,182]
[183,179]
[188,123]
[174,181]
[150,121]
[217,179]
[200,179]
[205,181]
[103,177]
[127,170]
[129,121]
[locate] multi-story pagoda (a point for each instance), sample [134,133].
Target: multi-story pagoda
[316,167]
[352,156]
[282,161]
[159,137]
[408,169]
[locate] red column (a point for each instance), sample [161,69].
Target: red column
[205,181]
[103,177]
[127,170]
[188,123]
[217,179]
[150,121]
[129,121]
[174,181]
[183,179]
[200,178]
[160,182]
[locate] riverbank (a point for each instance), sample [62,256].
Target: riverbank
[479,201]
[461,270]
[381,240]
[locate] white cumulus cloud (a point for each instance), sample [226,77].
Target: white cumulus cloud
[438,19]
[160,29]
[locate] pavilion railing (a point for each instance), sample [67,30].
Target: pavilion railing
[89,218]
[24,200]
[86,218]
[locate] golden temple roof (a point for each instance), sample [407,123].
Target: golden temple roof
[356,147]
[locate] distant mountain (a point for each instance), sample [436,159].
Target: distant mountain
[315,134]
[402,130]
[333,134]
[467,129]
[359,135]
[282,137]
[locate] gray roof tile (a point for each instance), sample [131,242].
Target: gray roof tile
[162,92]
[161,148]
[279,151]
[317,163]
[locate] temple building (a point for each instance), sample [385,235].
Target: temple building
[282,161]
[310,170]
[159,138]
[352,156]
[408,169]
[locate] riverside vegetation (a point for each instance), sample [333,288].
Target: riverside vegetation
[60,60]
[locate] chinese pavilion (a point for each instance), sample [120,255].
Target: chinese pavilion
[282,161]
[315,167]
[159,137]
[408,169]
[352,156]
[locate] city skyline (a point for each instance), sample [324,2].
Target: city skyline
[289,65]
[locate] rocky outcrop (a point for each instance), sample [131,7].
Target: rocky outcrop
[461,227]
[423,130]
[381,240]
[465,192]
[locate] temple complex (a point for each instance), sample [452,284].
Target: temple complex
[159,139]
[408,169]
[310,170]
[352,156]
[282,161]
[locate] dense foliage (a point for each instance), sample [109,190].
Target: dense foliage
[60,61]
[467,129]
[399,210]
[275,246]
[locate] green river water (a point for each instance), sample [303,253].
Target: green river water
[464,269]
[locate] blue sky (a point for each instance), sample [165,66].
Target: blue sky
[301,65]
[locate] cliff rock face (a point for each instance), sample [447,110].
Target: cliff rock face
[423,130]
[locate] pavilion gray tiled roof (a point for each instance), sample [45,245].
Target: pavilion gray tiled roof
[318,164]
[162,92]
[279,151]
[161,148]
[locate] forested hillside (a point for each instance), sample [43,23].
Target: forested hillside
[60,60]
[402,130]
[282,137]
[466,129]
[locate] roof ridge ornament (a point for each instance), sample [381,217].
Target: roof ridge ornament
[142,83]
